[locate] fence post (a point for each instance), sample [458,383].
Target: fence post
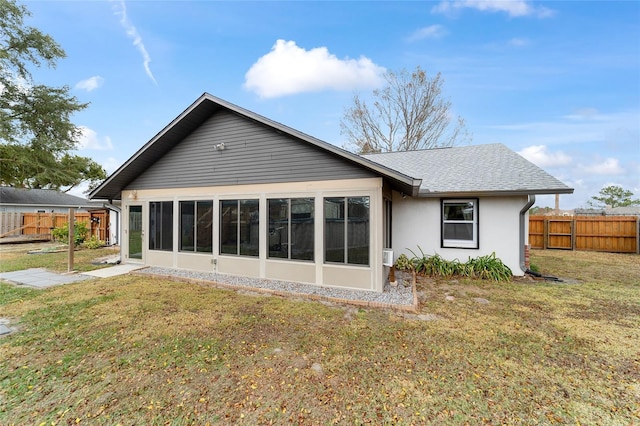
[545,234]
[72,219]
[638,235]
[573,233]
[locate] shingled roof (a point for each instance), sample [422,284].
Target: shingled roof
[41,197]
[476,170]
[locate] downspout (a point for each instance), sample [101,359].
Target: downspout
[523,212]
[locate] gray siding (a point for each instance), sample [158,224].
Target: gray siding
[253,154]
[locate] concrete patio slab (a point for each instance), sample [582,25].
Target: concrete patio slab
[113,271]
[41,278]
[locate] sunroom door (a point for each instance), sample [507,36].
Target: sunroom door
[136,233]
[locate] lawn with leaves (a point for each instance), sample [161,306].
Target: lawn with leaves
[52,256]
[135,350]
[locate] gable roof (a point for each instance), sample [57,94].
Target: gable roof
[41,197]
[194,116]
[475,170]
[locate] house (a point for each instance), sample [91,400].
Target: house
[21,200]
[222,189]
[17,201]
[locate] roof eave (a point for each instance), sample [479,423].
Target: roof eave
[518,192]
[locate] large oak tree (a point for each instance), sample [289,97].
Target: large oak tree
[37,136]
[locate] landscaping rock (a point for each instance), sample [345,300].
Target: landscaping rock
[480,300]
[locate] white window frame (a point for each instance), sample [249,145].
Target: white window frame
[456,243]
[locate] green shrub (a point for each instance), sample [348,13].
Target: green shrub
[80,233]
[484,267]
[403,263]
[93,243]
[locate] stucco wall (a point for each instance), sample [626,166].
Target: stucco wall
[416,222]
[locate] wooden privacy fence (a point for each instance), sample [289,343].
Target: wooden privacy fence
[614,234]
[39,225]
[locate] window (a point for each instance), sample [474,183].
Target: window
[460,223]
[239,222]
[161,225]
[346,230]
[196,220]
[291,228]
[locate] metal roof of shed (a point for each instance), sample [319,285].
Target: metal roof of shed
[41,197]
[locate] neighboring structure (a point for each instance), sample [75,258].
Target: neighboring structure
[226,190]
[21,200]
[14,201]
[609,211]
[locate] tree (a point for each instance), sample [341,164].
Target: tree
[37,136]
[408,113]
[614,196]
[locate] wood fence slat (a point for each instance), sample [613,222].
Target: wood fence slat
[617,234]
[41,224]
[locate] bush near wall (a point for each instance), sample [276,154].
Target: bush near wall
[487,267]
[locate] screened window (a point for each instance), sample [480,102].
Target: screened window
[460,223]
[239,223]
[161,225]
[196,220]
[291,228]
[346,230]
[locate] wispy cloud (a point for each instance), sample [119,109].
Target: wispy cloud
[89,139]
[519,42]
[513,8]
[542,157]
[432,31]
[608,166]
[288,69]
[90,83]
[120,10]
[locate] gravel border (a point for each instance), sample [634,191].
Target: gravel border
[400,297]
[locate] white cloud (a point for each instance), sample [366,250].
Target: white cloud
[432,31]
[121,11]
[609,166]
[542,157]
[90,83]
[89,139]
[514,8]
[519,42]
[288,69]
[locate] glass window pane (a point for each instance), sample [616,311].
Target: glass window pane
[249,228]
[458,211]
[358,231]
[161,225]
[204,227]
[458,231]
[187,226]
[229,226]
[278,228]
[302,228]
[334,232]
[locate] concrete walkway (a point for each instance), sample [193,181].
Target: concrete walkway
[41,278]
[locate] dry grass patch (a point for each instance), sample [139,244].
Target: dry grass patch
[135,350]
[15,257]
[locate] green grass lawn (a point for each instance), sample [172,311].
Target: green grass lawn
[135,350]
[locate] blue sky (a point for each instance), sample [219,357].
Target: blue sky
[558,82]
